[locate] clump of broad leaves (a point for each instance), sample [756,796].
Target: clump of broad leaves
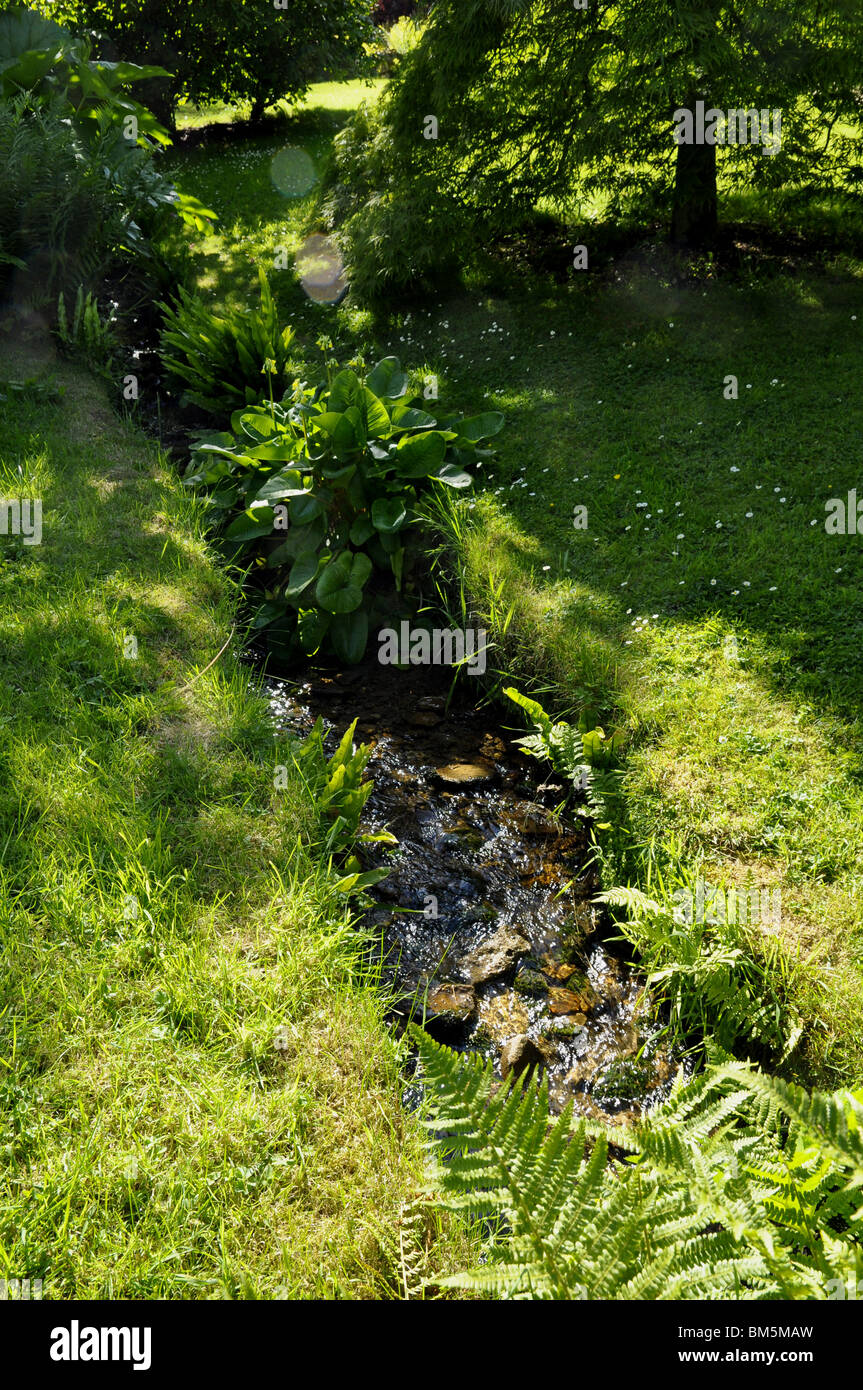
[317,496]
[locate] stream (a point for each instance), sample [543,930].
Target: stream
[485,922]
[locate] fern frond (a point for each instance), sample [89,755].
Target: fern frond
[741,1186]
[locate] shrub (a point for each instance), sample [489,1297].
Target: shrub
[58,216]
[394,42]
[396,234]
[80,187]
[319,493]
[218,360]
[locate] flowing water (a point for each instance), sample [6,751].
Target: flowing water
[486,922]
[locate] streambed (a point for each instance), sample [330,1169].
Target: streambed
[481,936]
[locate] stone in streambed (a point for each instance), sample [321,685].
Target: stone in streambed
[477,773]
[496,956]
[445,1012]
[558,970]
[449,1008]
[565,1029]
[579,997]
[432,702]
[453,998]
[521,1053]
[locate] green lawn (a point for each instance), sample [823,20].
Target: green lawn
[705,610]
[705,524]
[198,1095]
[265,191]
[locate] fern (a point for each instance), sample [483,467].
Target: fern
[707,973]
[574,755]
[740,1187]
[340,794]
[220,361]
[89,338]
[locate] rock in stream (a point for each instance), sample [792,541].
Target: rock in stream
[477,938]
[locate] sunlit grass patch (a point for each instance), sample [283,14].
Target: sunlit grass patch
[199,1097]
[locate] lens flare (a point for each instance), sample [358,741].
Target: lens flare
[292,172]
[320,269]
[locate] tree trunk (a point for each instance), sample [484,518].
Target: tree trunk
[694,218]
[159,96]
[257,113]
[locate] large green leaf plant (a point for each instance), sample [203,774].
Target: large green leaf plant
[317,498]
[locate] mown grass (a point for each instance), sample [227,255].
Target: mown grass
[264,209]
[198,1095]
[705,609]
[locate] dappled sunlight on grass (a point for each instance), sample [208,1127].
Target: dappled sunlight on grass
[165,914]
[705,513]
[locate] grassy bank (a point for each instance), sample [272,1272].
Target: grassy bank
[199,1096]
[704,609]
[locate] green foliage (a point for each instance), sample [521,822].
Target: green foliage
[706,972]
[32,388]
[57,216]
[548,103]
[583,758]
[88,336]
[41,57]
[219,361]
[710,976]
[395,231]
[404,35]
[319,492]
[741,1186]
[80,187]
[394,41]
[234,50]
[340,794]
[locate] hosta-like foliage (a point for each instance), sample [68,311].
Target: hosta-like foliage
[319,494]
[741,1186]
